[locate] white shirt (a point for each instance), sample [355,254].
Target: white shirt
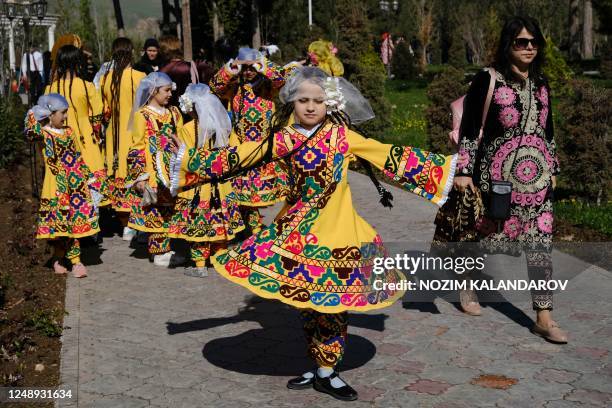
[36,62]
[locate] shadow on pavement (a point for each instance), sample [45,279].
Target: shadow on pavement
[277,348]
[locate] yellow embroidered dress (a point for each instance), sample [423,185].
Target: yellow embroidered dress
[252,114]
[149,159]
[118,169]
[67,203]
[211,217]
[85,120]
[320,253]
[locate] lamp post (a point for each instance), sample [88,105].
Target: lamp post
[386,7]
[26,10]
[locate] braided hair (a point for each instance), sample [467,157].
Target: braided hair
[70,61]
[121,60]
[280,119]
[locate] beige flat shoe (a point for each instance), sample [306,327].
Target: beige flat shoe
[79,271]
[59,269]
[551,333]
[469,302]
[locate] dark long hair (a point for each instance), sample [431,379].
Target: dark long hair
[511,30]
[123,50]
[70,61]
[280,118]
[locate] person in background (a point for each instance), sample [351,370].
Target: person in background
[152,59]
[180,71]
[518,146]
[33,78]
[71,192]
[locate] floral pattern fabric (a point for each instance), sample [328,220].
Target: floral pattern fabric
[320,253]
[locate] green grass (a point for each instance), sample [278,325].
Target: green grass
[595,217]
[408,102]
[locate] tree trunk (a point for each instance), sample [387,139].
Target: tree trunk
[256,29]
[574,28]
[119,18]
[186,29]
[587,30]
[218,28]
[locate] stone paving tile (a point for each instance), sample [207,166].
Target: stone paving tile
[143,336]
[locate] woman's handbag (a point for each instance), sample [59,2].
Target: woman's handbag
[500,196]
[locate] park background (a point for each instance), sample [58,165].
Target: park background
[449,41]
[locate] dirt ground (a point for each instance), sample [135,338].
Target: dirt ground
[31,296]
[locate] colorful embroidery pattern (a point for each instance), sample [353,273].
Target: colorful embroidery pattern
[320,254]
[159,129]
[66,206]
[528,160]
[265,185]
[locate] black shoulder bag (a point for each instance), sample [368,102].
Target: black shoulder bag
[501,191]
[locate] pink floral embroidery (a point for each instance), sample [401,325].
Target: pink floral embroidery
[464,159]
[545,222]
[504,96]
[512,227]
[543,117]
[509,117]
[542,95]
[526,171]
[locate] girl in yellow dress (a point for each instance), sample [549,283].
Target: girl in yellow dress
[319,255]
[85,112]
[206,216]
[249,84]
[71,191]
[153,124]
[118,82]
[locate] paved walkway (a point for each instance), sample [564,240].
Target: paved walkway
[142,336]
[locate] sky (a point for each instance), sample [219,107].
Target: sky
[132,10]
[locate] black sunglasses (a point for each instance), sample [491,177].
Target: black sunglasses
[523,43]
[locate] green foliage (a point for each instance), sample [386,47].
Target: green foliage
[586,214]
[403,63]
[369,78]
[362,65]
[445,88]
[44,322]
[12,140]
[556,69]
[583,140]
[408,103]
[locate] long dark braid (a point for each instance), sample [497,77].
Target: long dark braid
[121,60]
[69,63]
[279,121]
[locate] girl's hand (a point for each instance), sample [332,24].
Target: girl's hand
[174,144]
[140,186]
[462,182]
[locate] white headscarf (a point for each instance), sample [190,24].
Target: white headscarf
[340,94]
[212,116]
[47,104]
[145,90]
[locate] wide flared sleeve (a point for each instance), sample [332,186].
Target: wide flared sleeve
[193,166]
[275,73]
[471,122]
[223,82]
[426,174]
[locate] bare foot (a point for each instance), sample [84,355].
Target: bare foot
[79,270]
[59,269]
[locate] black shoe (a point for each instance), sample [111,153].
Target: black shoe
[345,393]
[301,382]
